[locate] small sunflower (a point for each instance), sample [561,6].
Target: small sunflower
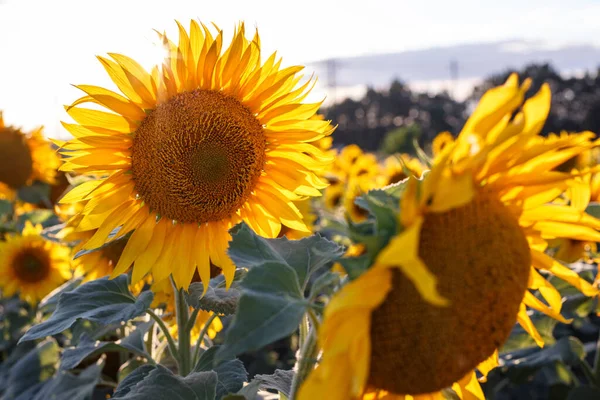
[445,293]
[24,158]
[397,168]
[205,140]
[31,265]
[344,160]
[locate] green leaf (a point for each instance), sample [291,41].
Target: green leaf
[281,381]
[42,217]
[568,350]
[355,266]
[217,298]
[584,393]
[593,209]
[68,386]
[132,343]
[157,382]
[270,308]
[325,284]
[136,376]
[51,300]
[36,193]
[248,392]
[304,256]
[5,207]
[231,374]
[37,366]
[102,301]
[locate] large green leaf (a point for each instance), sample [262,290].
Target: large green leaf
[27,376]
[102,301]
[158,383]
[132,343]
[66,385]
[231,374]
[271,307]
[304,256]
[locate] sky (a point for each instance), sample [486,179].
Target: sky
[45,46]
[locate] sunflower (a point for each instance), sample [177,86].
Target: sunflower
[309,218]
[24,158]
[31,265]
[397,168]
[206,140]
[445,293]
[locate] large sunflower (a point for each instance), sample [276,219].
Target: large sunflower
[31,265]
[445,293]
[24,158]
[206,140]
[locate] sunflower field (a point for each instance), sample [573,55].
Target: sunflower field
[199,238]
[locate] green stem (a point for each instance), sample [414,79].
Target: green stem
[303,331]
[589,374]
[165,330]
[192,320]
[181,309]
[305,362]
[150,342]
[207,325]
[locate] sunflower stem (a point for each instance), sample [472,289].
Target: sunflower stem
[303,331]
[192,320]
[305,361]
[165,330]
[207,325]
[183,333]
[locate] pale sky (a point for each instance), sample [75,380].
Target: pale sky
[47,45]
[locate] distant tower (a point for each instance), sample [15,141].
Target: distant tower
[453,77]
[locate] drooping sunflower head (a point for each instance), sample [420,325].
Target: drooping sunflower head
[31,265]
[25,158]
[461,270]
[213,136]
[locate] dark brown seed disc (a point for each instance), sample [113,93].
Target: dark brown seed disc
[31,264]
[197,157]
[482,260]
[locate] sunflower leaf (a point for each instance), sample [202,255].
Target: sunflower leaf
[132,343]
[157,382]
[281,381]
[28,374]
[5,207]
[304,256]
[270,308]
[102,301]
[38,192]
[231,374]
[65,385]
